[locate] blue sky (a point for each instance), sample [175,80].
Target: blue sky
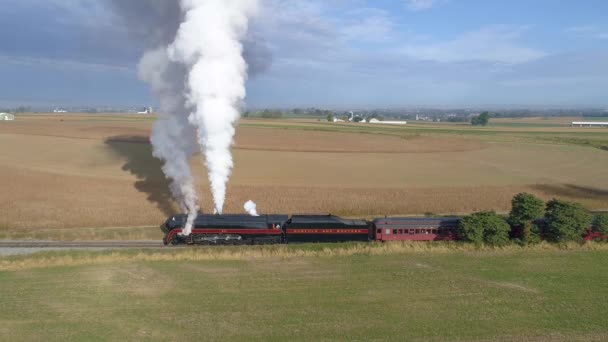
[334,53]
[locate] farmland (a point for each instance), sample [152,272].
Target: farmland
[64,176]
[412,292]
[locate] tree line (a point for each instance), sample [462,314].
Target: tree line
[530,220]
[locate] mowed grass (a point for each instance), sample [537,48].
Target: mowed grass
[65,176]
[309,293]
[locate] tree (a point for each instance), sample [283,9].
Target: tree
[601,223]
[566,221]
[271,114]
[485,227]
[525,209]
[330,117]
[481,120]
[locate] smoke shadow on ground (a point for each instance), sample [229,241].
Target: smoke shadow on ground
[137,152]
[573,191]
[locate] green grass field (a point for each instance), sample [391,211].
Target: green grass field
[309,293]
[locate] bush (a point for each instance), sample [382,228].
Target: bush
[481,120]
[566,221]
[485,227]
[601,224]
[525,209]
[272,114]
[530,233]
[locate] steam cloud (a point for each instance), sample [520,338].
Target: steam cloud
[196,67]
[251,208]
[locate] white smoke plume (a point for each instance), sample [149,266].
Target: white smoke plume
[172,137]
[208,43]
[196,67]
[251,208]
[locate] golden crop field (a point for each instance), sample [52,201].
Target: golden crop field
[89,171]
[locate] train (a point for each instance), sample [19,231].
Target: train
[243,229]
[282,229]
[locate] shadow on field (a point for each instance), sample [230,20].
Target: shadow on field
[574,191]
[139,162]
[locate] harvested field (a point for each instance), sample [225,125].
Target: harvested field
[80,173]
[252,138]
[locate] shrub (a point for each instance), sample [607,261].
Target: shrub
[485,227]
[601,224]
[566,221]
[530,232]
[481,120]
[525,209]
[272,114]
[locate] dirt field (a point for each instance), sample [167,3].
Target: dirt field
[97,171]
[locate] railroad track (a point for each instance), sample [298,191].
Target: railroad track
[80,244]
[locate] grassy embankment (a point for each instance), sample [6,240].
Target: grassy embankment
[428,292]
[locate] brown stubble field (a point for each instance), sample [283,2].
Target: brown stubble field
[78,171]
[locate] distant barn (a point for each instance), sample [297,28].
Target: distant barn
[6,117]
[590,124]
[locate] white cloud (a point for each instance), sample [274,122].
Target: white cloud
[65,64]
[366,24]
[496,44]
[588,31]
[419,5]
[553,81]
[580,29]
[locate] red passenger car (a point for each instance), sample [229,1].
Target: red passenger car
[415,229]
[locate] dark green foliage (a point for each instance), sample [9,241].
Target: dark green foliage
[601,223]
[485,227]
[566,221]
[457,119]
[272,114]
[530,232]
[330,117]
[525,209]
[481,120]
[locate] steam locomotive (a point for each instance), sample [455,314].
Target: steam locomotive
[275,229]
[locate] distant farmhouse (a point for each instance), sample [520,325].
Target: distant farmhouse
[373,120]
[145,110]
[7,117]
[590,124]
[356,118]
